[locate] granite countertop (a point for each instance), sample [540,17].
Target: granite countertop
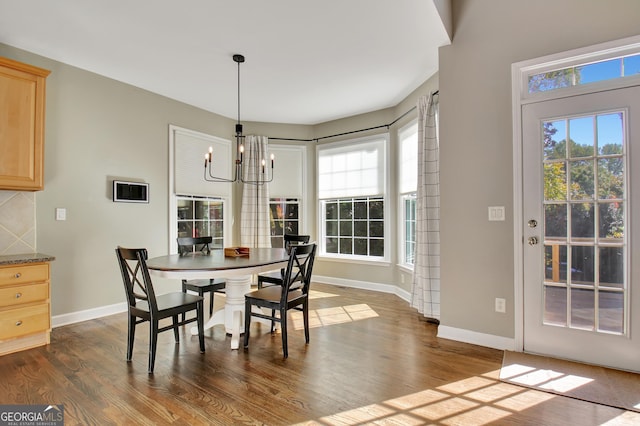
[14,259]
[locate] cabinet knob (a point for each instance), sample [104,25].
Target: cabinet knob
[18,295]
[18,275]
[18,323]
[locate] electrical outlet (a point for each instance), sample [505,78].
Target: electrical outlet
[501,305]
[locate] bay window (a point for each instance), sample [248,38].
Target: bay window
[352,191]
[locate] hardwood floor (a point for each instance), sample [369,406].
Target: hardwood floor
[371,360]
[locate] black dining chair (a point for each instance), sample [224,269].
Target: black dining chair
[145,306]
[200,245]
[275,277]
[290,295]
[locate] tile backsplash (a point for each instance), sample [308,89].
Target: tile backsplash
[17,222]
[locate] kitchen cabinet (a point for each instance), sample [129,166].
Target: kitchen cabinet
[25,311]
[22,109]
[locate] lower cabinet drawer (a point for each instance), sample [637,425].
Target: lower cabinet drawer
[23,321]
[29,293]
[14,275]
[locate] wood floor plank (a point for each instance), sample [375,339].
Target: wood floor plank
[371,360]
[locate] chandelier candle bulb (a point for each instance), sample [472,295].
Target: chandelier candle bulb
[241,152]
[263,163]
[272,158]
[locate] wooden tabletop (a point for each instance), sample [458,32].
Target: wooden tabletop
[201,265]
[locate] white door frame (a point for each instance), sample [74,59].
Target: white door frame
[520,72]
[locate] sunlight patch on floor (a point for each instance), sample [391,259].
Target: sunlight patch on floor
[331,316]
[314,294]
[477,400]
[566,383]
[544,378]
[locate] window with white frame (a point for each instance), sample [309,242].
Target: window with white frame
[407,186]
[201,217]
[287,192]
[285,219]
[198,208]
[593,72]
[352,191]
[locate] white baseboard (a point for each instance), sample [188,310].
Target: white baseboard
[103,311]
[364,285]
[89,314]
[475,338]
[445,332]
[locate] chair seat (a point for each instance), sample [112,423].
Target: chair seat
[273,295]
[168,302]
[275,277]
[204,285]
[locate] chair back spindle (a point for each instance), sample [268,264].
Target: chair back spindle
[136,278]
[297,274]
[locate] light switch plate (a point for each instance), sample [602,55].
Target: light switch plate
[496,213]
[61,214]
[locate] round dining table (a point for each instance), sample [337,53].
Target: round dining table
[237,272]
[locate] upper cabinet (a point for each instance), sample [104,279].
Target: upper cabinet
[22,106]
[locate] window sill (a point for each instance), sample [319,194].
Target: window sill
[405,268]
[360,260]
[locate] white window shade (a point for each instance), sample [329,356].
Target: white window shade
[353,170]
[288,175]
[408,173]
[189,155]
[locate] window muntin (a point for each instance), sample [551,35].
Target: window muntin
[285,219]
[352,187]
[354,226]
[201,217]
[585,183]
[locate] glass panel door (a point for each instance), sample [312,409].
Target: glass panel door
[579,270]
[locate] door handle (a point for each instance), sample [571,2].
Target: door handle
[532,241]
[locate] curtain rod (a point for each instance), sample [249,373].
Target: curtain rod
[353,131]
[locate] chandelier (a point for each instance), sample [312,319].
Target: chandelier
[265,173]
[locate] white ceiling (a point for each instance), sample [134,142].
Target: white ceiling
[307,62]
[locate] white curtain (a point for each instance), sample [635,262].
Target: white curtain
[425,289]
[255,227]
